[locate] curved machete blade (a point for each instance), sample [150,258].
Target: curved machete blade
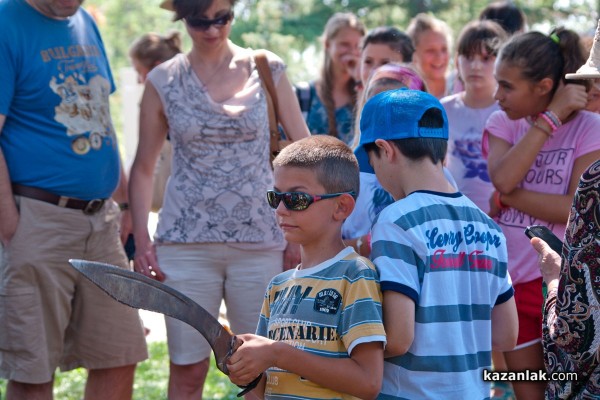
[139,291]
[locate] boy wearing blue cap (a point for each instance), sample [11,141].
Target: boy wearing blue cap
[447,296]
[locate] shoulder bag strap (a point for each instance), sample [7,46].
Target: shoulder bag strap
[264,72]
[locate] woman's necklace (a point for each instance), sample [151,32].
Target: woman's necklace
[207,80]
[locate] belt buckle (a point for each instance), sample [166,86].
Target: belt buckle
[93,206]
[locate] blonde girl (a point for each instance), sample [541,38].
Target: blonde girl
[432,39]
[372,197]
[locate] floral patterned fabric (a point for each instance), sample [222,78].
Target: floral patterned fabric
[318,121]
[220,169]
[571,325]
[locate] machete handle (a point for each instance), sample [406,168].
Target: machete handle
[236,342]
[249,386]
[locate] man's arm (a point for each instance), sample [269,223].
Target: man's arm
[399,322]
[9,216]
[360,375]
[121,196]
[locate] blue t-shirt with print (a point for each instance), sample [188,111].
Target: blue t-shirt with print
[54,87]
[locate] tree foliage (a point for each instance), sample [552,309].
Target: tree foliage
[289,27]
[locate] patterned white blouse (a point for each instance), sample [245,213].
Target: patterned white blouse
[220,168]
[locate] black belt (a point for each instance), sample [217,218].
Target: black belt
[88,207]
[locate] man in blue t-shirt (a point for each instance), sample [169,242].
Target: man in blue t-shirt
[59,168]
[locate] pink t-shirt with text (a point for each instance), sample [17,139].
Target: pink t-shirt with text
[550,173]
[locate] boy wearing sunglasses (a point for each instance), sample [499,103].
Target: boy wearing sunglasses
[447,296]
[320,333]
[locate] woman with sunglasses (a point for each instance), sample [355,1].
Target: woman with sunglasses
[216,238]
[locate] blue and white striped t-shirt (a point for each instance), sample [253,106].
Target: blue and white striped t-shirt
[450,258]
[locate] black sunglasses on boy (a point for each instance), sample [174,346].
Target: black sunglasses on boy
[298,201]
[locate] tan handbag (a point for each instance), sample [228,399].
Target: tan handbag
[264,72]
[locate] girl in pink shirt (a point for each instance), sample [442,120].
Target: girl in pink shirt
[537,147]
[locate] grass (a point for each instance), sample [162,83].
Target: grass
[150,380]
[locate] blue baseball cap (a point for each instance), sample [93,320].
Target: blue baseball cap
[395,114]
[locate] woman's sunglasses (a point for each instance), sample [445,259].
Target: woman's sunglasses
[298,201]
[203,24]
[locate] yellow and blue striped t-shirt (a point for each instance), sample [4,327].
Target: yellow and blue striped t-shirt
[326,310]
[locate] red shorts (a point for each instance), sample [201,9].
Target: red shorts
[529,299]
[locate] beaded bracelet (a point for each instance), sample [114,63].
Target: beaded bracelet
[548,120]
[550,114]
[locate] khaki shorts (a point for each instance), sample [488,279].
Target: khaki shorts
[51,314]
[209,273]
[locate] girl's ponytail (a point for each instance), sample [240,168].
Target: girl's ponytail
[540,56]
[573,52]
[151,49]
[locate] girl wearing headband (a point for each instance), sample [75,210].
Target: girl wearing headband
[373,198]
